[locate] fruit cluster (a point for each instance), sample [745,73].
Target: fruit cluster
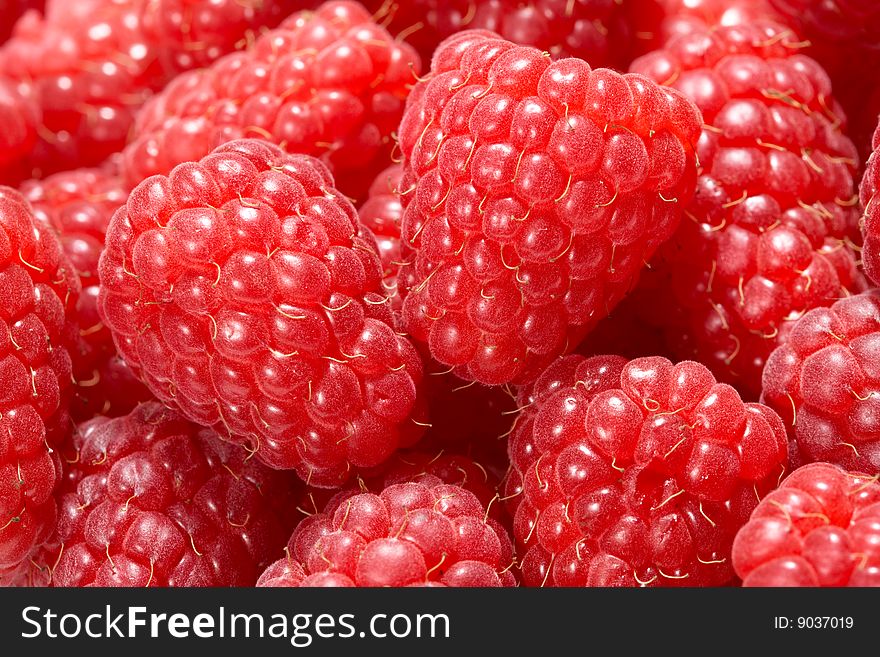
[482,293]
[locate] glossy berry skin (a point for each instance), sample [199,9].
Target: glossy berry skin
[594,30]
[636,473]
[79,204]
[824,383]
[244,292]
[149,499]
[88,65]
[772,224]
[410,534]
[869,192]
[37,332]
[328,83]
[534,191]
[821,527]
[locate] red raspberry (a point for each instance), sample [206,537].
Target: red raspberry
[824,381]
[821,527]
[870,199]
[594,30]
[774,208]
[149,499]
[90,64]
[242,291]
[636,473]
[79,204]
[533,192]
[39,291]
[411,534]
[19,118]
[328,83]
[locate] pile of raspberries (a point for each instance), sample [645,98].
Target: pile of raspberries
[469,293]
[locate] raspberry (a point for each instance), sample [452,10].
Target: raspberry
[329,83]
[79,204]
[411,534]
[244,292]
[533,192]
[593,30]
[89,65]
[870,199]
[774,212]
[825,383]
[149,499]
[821,527]
[19,118]
[638,472]
[39,293]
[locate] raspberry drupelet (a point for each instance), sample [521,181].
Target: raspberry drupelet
[409,534]
[593,30]
[149,499]
[821,527]
[329,83]
[770,231]
[534,191]
[636,473]
[37,333]
[79,204]
[824,381]
[869,192]
[244,291]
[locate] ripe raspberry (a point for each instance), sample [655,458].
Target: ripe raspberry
[594,30]
[149,499]
[79,204]
[88,65]
[870,199]
[774,211]
[824,382]
[533,193]
[821,527]
[636,473]
[411,534]
[242,291]
[329,83]
[39,291]
[19,118]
